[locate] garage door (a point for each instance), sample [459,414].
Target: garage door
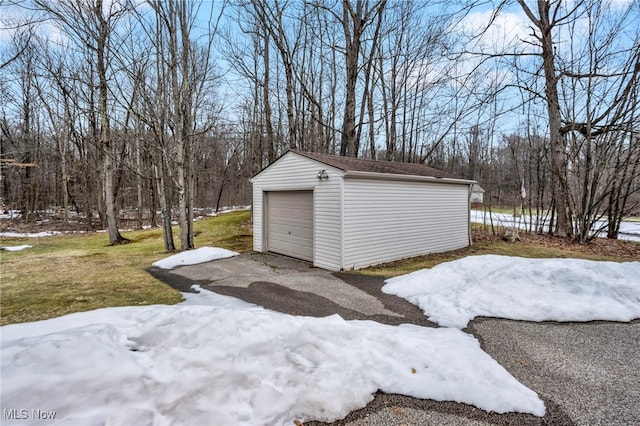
[290,223]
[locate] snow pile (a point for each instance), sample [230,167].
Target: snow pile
[15,248]
[193,257]
[212,365]
[451,294]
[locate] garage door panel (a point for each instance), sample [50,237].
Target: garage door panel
[290,223]
[301,233]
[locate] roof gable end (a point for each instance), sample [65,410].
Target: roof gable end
[287,154]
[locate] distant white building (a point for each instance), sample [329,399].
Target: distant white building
[477,194]
[344,213]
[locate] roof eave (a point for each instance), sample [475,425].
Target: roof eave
[389,176]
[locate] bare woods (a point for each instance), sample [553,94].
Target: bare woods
[151,109]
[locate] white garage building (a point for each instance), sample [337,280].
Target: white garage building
[345,213]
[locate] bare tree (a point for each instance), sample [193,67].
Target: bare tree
[547,16]
[591,97]
[270,15]
[355,20]
[187,75]
[92,24]
[21,149]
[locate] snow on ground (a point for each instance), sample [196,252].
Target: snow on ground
[228,209]
[192,257]
[205,297]
[15,248]
[628,230]
[10,214]
[453,293]
[214,359]
[29,235]
[200,364]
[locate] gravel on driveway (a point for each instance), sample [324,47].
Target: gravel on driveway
[591,370]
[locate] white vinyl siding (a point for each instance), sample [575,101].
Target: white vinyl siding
[360,219]
[391,220]
[293,172]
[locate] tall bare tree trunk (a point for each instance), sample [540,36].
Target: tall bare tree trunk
[558,161]
[139,205]
[184,105]
[105,131]
[354,23]
[352,26]
[163,181]
[271,152]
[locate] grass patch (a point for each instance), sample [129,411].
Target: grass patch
[72,273]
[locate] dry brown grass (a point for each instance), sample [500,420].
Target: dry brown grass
[530,245]
[72,273]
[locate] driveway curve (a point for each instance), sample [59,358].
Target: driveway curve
[586,373]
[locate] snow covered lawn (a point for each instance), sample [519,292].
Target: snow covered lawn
[453,293]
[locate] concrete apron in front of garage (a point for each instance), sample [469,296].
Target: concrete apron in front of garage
[586,373]
[295,287]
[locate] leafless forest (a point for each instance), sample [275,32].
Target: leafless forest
[147,110]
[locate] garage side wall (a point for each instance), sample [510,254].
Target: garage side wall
[291,173]
[391,220]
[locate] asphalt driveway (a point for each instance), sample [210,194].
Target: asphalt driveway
[586,373]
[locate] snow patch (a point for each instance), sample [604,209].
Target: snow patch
[29,235]
[629,230]
[211,365]
[205,297]
[15,248]
[453,293]
[193,257]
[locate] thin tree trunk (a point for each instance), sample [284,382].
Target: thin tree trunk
[352,53]
[164,194]
[139,204]
[108,166]
[271,152]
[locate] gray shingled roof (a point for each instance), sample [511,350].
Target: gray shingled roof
[374,166]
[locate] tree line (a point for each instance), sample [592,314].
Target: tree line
[169,105]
